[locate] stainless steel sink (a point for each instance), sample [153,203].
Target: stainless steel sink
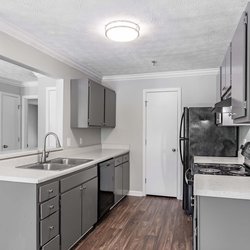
[70,161]
[57,164]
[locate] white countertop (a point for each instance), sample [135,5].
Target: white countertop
[234,187]
[9,172]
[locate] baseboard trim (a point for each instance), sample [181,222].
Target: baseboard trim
[135,193]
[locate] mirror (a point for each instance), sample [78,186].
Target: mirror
[30,106]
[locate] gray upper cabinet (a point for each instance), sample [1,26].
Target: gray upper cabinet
[239,81]
[96,104]
[110,108]
[92,105]
[225,71]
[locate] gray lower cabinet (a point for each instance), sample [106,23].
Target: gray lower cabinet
[221,224]
[71,217]
[89,204]
[125,178]
[118,182]
[122,176]
[78,206]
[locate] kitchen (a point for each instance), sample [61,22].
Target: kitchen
[58,47]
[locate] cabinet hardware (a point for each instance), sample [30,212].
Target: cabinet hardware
[50,191]
[51,206]
[245,19]
[51,227]
[244,104]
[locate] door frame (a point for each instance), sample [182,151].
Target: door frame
[25,98]
[179,166]
[19,117]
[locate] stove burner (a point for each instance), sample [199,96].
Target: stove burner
[209,170]
[238,172]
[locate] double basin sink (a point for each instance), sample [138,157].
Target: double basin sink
[57,164]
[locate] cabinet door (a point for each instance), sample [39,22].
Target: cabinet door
[223,77]
[228,69]
[239,54]
[118,183]
[96,104]
[110,108]
[89,204]
[125,178]
[70,217]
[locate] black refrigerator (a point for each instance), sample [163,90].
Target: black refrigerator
[199,136]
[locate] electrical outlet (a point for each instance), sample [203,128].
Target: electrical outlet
[68,141]
[81,141]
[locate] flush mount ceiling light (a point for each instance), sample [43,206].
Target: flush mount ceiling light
[122,31]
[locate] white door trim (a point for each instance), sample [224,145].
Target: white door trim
[19,117]
[179,167]
[24,99]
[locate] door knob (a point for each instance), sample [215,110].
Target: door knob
[173,149]
[5,146]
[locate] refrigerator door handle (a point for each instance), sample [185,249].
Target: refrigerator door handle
[181,138]
[188,181]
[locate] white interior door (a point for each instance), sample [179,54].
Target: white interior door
[161,143]
[10,122]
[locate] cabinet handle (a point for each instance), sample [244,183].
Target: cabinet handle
[50,191]
[83,187]
[51,206]
[51,227]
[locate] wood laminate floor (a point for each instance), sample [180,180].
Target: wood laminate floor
[146,223]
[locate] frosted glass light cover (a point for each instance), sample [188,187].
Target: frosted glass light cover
[122,31]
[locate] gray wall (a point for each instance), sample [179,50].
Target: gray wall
[15,50]
[6,87]
[196,91]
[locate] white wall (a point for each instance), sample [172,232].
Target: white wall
[196,91]
[17,51]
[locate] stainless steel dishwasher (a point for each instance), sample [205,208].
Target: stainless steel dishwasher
[106,187]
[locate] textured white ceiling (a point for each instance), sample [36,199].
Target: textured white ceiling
[15,73]
[178,34]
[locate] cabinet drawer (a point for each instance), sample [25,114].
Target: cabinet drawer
[49,228]
[49,207]
[125,158]
[77,179]
[48,191]
[118,160]
[53,244]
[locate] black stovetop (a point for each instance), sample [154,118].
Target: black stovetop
[221,169]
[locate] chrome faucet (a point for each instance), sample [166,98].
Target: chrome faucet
[45,154]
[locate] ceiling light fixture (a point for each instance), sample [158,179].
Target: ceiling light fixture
[122,31]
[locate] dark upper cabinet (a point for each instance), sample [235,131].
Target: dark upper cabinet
[225,71]
[110,108]
[96,104]
[92,104]
[239,70]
